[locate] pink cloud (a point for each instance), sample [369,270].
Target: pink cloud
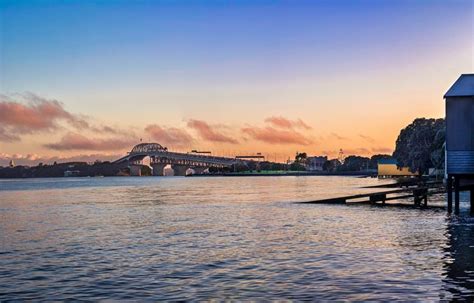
[169,135]
[282,122]
[207,132]
[37,115]
[5,136]
[276,136]
[74,141]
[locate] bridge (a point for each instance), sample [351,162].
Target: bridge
[160,157]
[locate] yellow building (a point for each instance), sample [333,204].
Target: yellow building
[388,168]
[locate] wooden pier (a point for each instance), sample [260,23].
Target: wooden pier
[458,184]
[419,195]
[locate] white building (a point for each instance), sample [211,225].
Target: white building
[316,163]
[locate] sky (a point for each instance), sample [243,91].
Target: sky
[85,80]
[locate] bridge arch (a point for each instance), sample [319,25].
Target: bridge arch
[148,148]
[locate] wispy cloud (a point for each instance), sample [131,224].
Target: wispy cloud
[276,136]
[282,122]
[338,137]
[37,115]
[172,136]
[75,141]
[6,137]
[210,132]
[367,138]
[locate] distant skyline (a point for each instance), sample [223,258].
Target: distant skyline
[84,80]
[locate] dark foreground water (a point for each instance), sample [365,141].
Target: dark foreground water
[227,238]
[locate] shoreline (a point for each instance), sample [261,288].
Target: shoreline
[297,174]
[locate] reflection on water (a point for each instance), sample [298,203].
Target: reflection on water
[234,238]
[459,258]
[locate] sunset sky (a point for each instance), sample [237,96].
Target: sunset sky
[88,79]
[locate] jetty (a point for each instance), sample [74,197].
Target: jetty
[418,194]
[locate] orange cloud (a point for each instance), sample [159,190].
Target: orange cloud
[276,136]
[207,132]
[282,122]
[169,135]
[74,141]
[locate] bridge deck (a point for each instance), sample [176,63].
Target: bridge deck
[182,156]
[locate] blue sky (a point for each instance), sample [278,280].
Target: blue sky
[167,61]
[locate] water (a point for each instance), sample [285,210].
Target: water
[178,238]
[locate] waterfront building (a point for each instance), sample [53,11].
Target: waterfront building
[71,173]
[389,168]
[460,139]
[316,163]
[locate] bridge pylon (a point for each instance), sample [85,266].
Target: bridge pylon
[180,170]
[158,169]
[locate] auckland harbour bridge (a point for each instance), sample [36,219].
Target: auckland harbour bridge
[180,162]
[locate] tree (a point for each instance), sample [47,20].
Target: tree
[437,155]
[252,165]
[355,163]
[331,165]
[301,157]
[420,145]
[295,166]
[239,167]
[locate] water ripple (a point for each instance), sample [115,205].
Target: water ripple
[224,238]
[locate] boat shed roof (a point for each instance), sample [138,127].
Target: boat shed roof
[463,87]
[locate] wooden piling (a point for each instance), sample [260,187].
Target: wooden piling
[472,201]
[456,195]
[449,191]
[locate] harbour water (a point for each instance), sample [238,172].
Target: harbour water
[176,238]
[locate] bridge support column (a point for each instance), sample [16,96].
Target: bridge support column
[135,170]
[158,169]
[180,170]
[199,170]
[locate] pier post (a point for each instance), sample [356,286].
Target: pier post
[472,201]
[456,195]
[449,191]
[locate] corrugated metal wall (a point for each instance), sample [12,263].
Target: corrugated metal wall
[460,162]
[460,135]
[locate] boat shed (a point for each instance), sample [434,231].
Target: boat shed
[460,136]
